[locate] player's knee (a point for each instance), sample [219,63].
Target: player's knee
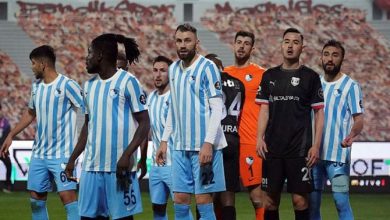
[340,184]
[182,198]
[160,208]
[257,204]
[300,202]
[38,195]
[68,196]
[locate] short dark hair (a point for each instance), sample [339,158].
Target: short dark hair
[162,59]
[108,45]
[293,30]
[245,34]
[335,43]
[214,57]
[44,51]
[186,27]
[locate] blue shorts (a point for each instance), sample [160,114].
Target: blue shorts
[99,195]
[160,184]
[42,172]
[193,179]
[324,170]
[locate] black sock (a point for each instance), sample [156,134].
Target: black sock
[228,213]
[271,214]
[302,214]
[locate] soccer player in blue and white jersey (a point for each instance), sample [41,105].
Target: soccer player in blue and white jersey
[160,177]
[116,122]
[194,119]
[53,103]
[343,123]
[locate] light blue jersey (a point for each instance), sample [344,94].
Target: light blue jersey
[158,106]
[55,105]
[343,99]
[110,105]
[191,89]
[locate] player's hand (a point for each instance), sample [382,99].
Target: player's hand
[4,148]
[206,154]
[123,171]
[261,148]
[69,171]
[312,156]
[347,142]
[142,166]
[161,153]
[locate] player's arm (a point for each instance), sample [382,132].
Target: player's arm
[125,162]
[261,146]
[142,162]
[206,152]
[314,151]
[80,147]
[27,117]
[358,122]
[161,153]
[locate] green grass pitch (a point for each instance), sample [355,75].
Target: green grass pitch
[16,206]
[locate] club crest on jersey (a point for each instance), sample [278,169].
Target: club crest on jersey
[191,79]
[58,92]
[249,160]
[321,93]
[142,99]
[337,92]
[114,93]
[217,85]
[248,77]
[295,81]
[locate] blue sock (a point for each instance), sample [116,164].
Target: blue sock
[72,211]
[39,209]
[160,215]
[206,211]
[182,212]
[342,204]
[315,204]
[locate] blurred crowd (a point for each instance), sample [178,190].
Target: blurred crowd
[14,93]
[367,52]
[366,60]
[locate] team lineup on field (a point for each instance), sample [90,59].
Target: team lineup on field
[212,129]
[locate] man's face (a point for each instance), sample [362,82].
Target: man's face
[186,43]
[37,66]
[331,59]
[243,48]
[160,74]
[292,46]
[92,60]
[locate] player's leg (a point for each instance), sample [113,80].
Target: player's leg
[319,177]
[339,177]
[300,185]
[66,188]
[226,199]
[182,185]
[273,177]
[92,196]
[38,184]
[122,204]
[208,179]
[159,191]
[7,162]
[250,172]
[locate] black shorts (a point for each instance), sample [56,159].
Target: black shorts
[230,163]
[277,170]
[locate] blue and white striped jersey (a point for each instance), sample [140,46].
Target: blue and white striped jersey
[343,98]
[110,105]
[55,105]
[158,106]
[191,89]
